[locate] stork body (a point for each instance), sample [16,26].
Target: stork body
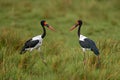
[33,43]
[36,42]
[85,43]
[88,44]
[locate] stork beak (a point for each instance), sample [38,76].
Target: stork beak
[50,27]
[73,27]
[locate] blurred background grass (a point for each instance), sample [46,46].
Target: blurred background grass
[19,21]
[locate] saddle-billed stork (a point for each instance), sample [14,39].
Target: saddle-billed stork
[85,43]
[36,42]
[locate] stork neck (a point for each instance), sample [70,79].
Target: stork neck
[79,30]
[44,32]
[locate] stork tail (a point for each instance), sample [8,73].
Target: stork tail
[22,50]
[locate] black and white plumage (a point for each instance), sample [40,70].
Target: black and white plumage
[36,42]
[85,43]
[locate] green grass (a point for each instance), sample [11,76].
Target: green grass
[19,21]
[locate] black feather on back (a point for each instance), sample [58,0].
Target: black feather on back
[31,43]
[88,43]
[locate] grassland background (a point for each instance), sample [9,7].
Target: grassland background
[19,21]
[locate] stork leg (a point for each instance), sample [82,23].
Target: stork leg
[38,49]
[98,59]
[84,59]
[42,58]
[31,49]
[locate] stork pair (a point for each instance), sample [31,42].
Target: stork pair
[36,42]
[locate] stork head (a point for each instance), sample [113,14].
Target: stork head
[78,23]
[44,23]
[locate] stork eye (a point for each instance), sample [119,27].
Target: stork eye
[45,23]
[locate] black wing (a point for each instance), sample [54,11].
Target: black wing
[88,43]
[31,43]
